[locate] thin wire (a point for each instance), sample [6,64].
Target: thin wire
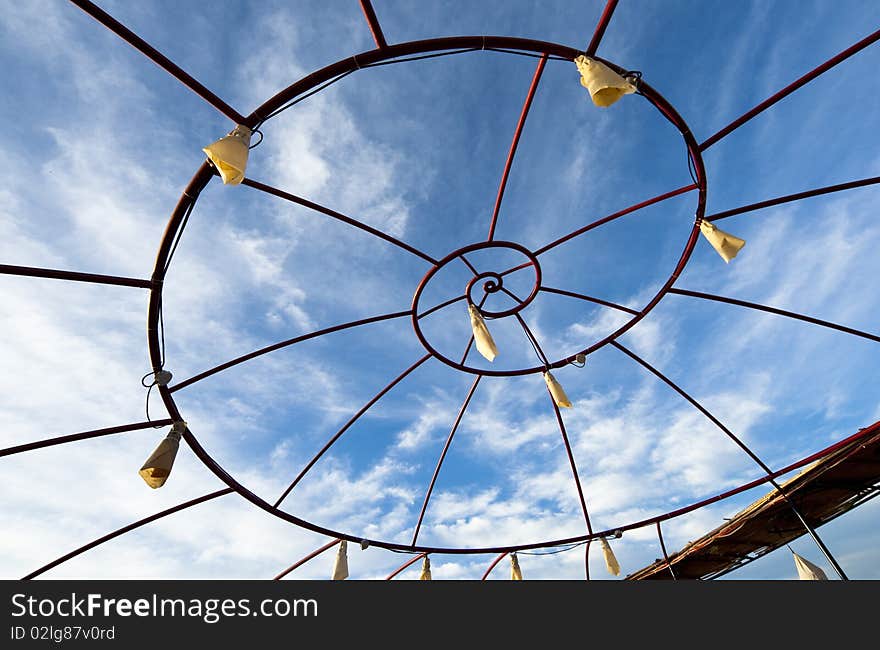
[179,234]
[306,96]
[528,54]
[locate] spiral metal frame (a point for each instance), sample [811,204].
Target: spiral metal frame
[385,53]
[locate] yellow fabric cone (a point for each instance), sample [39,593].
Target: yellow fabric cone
[230,153]
[556,391]
[807,570]
[340,567]
[515,573]
[484,341]
[157,469]
[426,569]
[610,561]
[604,84]
[724,243]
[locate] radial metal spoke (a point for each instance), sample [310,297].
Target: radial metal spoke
[665,554]
[406,565]
[612,217]
[293,198]
[468,264]
[494,564]
[779,312]
[348,424]
[467,401]
[125,529]
[513,145]
[793,197]
[601,27]
[441,306]
[283,344]
[159,59]
[373,22]
[74,276]
[742,446]
[85,435]
[308,557]
[767,103]
[598,301]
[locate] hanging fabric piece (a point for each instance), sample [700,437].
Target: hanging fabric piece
[515,573]
[157,469]
[724,243]
[556,391]
[604,84]
[230,153]
[484,341]
[807,570]
[610,561]
[340,567]
[426,569]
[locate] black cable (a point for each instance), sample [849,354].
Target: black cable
[179,234]
[301,98]
[529,54]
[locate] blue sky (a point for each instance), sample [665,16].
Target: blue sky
[100,143]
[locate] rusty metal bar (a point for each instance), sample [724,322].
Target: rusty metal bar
[406,565]
[742,446]
[373,22]
[467,401]
[812,74]
[598,301]
[293,198]
[85,435]
[74,276]
[345,427]
[515,142]
[604,19]
[780,312]
[793,197]
[308,557]
[125,529]
[161,60]
[283,344]
[494,564]
[441,306]
[616,215]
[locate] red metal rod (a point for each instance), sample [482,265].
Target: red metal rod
[441,306]
[283,344]
[616,215]
[74,276]
[468,264]
[467,401]
[85,435]
[494,564]
[287,196]
[598,301]
[601,27]
[161,60]
[524,265]
[574,470]
[373,22]
[767,103]
[774,310]
[513,145]
[742,446]
[793,197]
[406,565]
[345,427]
[125,529]
[665,554]
[308,557]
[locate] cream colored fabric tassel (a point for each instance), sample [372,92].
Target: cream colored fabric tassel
[724,243]
[157,469]
[610,560]
[556,391]
[485,343]
[807,570]
[604,84]
[340,567]
[426,569]
[515,573]
[230,154]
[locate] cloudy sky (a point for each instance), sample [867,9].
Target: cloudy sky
[99,143]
